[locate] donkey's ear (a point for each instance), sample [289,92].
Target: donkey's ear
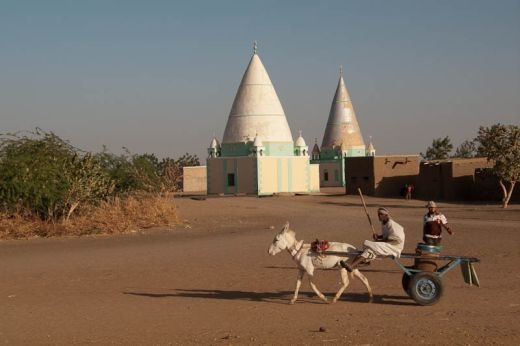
[286,226]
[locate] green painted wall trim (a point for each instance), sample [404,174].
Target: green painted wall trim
[270,149]
[279,148]
[234,149]
[330,154]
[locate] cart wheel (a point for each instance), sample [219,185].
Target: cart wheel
[405,281]
[425,288]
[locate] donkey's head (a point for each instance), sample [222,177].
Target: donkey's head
[283,240]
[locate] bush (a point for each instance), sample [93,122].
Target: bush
[44,175]
[145,172]
[48,187]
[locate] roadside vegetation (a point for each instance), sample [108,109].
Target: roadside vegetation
[49,187]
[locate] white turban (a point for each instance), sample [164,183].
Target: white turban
[382,210]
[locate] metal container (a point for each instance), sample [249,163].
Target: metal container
[428,254]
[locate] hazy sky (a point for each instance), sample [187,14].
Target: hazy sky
[160,76]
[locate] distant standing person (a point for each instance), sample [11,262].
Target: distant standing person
[409,190]
[433,223]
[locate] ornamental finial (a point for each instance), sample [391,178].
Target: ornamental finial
[341,70]
[255,46]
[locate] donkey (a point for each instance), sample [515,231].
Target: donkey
[308,260]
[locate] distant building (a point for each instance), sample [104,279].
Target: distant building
[383,176]
[452,179]
[257,154]
[342,139]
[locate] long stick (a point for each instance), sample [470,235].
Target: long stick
[366,211]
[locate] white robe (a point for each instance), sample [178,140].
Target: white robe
[392,243]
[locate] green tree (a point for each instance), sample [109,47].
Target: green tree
[439,150]
[131,172]
[119,168]
[145,172]
[501,145]
[466,149]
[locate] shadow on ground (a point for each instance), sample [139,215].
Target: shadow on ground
[363,268]
[280,297]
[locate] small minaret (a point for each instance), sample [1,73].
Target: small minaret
[300,147]
[258,147]
[214,148]
[316,150]
[371,151]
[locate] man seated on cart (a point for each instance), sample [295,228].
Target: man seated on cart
[388,244]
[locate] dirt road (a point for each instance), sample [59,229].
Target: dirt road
[210,281]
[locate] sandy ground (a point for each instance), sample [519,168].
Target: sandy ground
[210,281]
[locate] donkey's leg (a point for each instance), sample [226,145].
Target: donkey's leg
[364,280]
[344,284]
[316,290]
[298,284]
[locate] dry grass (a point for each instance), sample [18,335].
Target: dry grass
[118,215]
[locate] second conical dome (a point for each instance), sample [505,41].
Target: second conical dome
[342,131]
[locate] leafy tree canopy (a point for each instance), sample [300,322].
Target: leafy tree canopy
[466,149]
[501,144]
[439,150]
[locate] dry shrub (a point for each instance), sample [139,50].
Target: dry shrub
[121,215]
[117,215]
[18,226]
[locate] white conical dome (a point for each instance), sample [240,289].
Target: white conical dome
[342,126]
[256,109]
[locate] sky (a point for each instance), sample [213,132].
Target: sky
[160,76]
